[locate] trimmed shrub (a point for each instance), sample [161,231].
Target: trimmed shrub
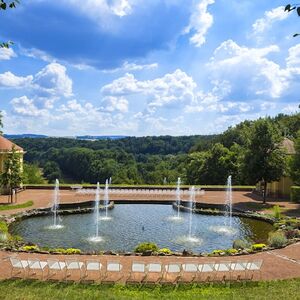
[258,247]
[72,251]
[241,244]
[30,248]
[277,212]
[231,251]
[144,247]
[3,227]
[165,251]
[277,239]
[295,194]
[218,252]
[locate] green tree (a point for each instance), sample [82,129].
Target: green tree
[291,7]
[11,178]
[52,171]
[295,163]
[3,6]
[32,174]
[264,160]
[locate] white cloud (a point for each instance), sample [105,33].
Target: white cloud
[277,14]
[200,22]
[10,80]
[291,108]
[26,107]
[112,104]
[129,67]
[173,89]
[100,11]
[7,53]
[293,60]
[250,72]
[37,54]
[53,81]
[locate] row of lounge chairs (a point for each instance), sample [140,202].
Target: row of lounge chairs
[198,192]
[140,272]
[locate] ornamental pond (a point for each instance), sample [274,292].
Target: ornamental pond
[130,224]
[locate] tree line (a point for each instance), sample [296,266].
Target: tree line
[250,151]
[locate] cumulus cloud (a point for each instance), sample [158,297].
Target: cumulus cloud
[250,72]
[175,88]
[10,80]
[53,81]
[7,53]
[26,107]
[112,104]
[262,25]
[130,67]
[200,22]
[100,10]
[293,59]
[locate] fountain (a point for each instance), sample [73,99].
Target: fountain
[97,238]
[177,217]
[228,203]
[192,206]
[55,206]
[109,180]
[106,202]
[227,228]
[178,196]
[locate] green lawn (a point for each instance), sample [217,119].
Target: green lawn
[25,290]
[15,206]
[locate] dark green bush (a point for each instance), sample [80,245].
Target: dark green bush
[295,194]
[147,246]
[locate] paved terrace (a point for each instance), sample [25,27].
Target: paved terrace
[277,264]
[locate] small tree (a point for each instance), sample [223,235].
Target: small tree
[11,177]
[264,160]
[295,163]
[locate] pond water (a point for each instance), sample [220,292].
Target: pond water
[131,224]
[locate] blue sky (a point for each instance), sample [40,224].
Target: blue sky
[136,67]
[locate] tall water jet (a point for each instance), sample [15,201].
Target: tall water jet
[109,180]
[178,197]
[97,200]
[55,206]
[96,238]
[192,206]
[228,202]
[106,200]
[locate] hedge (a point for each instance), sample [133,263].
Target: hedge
[295,194]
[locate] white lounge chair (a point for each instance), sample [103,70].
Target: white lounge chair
[35,265]
[171,270]
[190,269]
[238,268]
[19,265]
[254,267]
[207,269]
[224,268]
[55,266]
[138,272]
[154,272]
[73,265]
[113,269]
[93,266]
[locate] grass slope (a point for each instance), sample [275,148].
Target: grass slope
[31,290]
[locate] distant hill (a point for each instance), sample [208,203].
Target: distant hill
[100,137]
[81,137]
[24,136]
